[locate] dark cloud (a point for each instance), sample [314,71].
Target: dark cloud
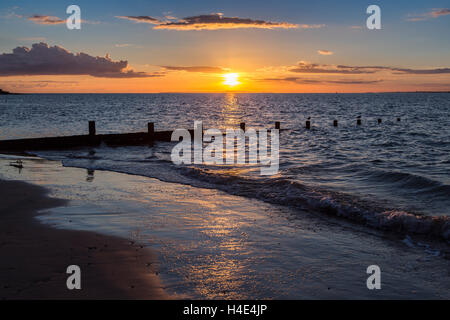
[215,21]
[421,71]
[317,81]
[141,19]
[203,69]
[42,59]
[306,67]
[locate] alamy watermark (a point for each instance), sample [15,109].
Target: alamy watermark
[374,280]
[373,22]
[74,280]
[74,20]
[228,148]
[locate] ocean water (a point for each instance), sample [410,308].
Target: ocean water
[393,176]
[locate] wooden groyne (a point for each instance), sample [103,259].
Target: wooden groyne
[116,139]
[91,139]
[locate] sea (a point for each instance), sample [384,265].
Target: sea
[393,176]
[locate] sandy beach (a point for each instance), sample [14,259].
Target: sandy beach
[35,256]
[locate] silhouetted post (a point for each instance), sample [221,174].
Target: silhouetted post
[358,121]
[151,133]
[242,126]
[92,128]
[92,133]
[335,123]
[398,119]
[308,124]
[379,120]
[277,125]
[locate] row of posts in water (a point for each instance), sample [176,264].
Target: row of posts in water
[308,123]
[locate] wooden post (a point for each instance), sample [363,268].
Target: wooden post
[358,121]
[92,139]
[151,133]
[92,128]
[335,123]
[379,120]
[308,124]
[277,125]
[398,119]
[242,126]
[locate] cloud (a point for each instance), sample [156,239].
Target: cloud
[215,21]
[141,19]
[325,52]
[46,19]
[203,69]
[42,59]
[306,67]
[314,68]
[317,81]
[435,13]
[440,12]
[20,84]
[33,39]
[421,71]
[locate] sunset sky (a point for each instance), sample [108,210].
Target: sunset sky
[220,46]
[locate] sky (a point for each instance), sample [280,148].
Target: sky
[224,46]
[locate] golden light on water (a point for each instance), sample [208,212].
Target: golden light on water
[231,79]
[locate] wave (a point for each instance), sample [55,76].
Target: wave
[282,191]
[285,192]
[414,183]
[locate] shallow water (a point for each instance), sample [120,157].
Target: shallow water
[385,175]
[215,245]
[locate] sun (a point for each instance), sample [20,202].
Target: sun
[231,79]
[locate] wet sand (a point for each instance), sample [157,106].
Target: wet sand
[34,257]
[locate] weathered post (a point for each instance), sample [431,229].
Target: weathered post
[92,133]
[151,133]
[277,125]
[335,123]
[308,124]
[91,128]
[242,125]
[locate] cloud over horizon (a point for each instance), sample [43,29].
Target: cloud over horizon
[318,81]
[141,19]
[215,21]
[203,69]
[42,59]
[314,68]
[325,52]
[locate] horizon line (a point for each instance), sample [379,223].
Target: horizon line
[224,92]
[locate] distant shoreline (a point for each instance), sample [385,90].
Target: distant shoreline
[2,92]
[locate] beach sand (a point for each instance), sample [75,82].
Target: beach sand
[34,257]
